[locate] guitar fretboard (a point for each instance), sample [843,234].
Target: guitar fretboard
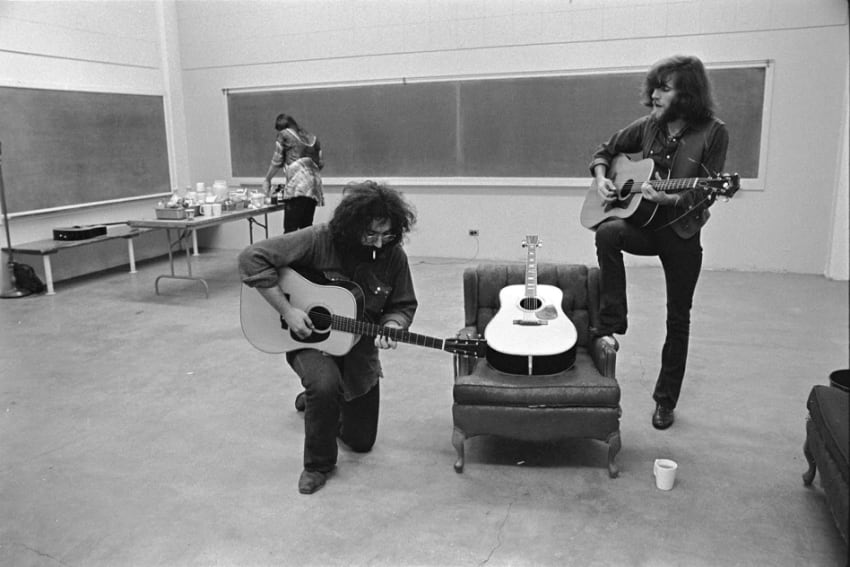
[675,185]
[531,272]
[348,325]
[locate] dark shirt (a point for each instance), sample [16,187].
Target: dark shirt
[386,283]
[697,151]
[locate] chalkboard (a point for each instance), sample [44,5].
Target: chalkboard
[522,127]
[67,148]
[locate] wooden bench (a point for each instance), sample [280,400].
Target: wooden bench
[46,248]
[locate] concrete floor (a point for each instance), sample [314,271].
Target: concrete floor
[143,430]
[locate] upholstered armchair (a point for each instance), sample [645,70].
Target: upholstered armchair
[582,401]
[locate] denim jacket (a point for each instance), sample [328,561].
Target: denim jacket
[385,281]
[698,151]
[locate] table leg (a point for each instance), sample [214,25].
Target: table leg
[195,241]
[179,242]
[131,252]
[265,226]
[48,274]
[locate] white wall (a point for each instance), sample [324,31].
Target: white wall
[94,46]
[189,51]
[261,44]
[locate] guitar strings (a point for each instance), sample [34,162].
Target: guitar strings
[375,330]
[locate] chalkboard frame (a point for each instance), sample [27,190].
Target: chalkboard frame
[760,74]
[71,148]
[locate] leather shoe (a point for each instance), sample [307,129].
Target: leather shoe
[663,417]
[301,401]
[311,481]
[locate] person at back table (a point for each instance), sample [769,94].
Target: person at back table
[684,139]
[299,153]
[362,243]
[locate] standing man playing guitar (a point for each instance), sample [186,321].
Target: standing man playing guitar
[360,245]
[683,139]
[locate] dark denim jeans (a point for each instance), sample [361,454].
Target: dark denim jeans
[682,261]
[328,414]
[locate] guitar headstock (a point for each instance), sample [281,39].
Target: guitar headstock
[466,347]
[531,241]
[724,185]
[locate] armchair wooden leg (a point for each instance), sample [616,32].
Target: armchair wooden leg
[613,448]
[809,475]
[458,438]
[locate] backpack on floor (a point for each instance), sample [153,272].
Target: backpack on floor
[26,278]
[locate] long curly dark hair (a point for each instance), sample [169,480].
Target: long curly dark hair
[363,203]
[694,101]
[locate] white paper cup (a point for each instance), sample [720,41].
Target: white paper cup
[665,473]
[207,210]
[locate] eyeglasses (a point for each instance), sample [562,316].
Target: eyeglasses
[384,237]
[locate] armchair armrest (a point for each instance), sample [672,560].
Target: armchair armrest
[603,351]
[464,365]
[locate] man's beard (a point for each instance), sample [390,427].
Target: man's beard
[668,115]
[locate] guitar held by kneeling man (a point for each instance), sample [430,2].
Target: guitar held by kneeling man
[335,309]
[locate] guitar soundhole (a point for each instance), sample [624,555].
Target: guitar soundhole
[321,319]
[530,303]
[626,189]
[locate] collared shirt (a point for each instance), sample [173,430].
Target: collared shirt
[290,147]
[386,283]
[697,151]
[301,161]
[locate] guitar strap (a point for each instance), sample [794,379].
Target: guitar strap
[707,199]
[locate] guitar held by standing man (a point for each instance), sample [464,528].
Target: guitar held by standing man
[683,139]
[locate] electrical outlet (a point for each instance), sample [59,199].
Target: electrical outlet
[473,232]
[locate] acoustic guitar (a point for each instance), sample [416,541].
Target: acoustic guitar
[335,309]
[628,176]
[530,334]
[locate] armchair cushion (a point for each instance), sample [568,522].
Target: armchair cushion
[580,386]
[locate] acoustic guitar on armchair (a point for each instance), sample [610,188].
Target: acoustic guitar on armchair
[628,176]
[530,334]
[335,308]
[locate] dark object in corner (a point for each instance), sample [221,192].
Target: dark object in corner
[827,449]
[840,379]
[79,232]
[26,278]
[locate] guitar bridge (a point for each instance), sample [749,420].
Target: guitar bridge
[530,323]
